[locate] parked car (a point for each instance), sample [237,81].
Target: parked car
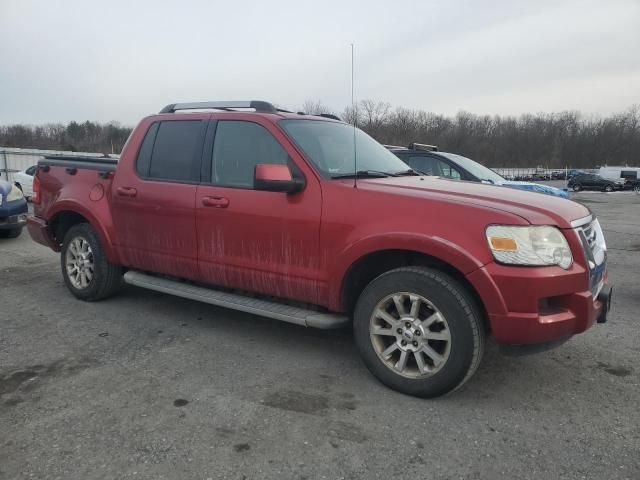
[13,210]
[590,181]
[24,181]
[627,177]
[264,212]
[425,159]
[574,172]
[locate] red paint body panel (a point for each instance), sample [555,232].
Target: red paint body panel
[272,172]
[301,246]
[266,242]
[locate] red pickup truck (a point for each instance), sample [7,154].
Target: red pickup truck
[308,220]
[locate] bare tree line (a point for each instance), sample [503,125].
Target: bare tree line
[551,140]
[76,137]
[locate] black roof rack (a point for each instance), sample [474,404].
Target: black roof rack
[257,105]
[422,146]
[394,147]
[330,115]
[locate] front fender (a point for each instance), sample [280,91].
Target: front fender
[461,259]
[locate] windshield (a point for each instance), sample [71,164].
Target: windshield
[474,168]
[329,145]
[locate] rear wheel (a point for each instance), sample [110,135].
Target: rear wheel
[85,268]
[576,187]
[418,331]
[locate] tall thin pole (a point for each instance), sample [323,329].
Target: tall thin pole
[355,118]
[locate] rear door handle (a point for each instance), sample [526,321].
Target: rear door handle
[126,191]
[217,202]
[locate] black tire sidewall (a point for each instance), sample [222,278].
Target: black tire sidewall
[11,232]
[87,233]
[448,297]
[576,187]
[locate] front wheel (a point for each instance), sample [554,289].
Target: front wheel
[576,187]
[11,233]
[85,268]
[608,188]
[419,331]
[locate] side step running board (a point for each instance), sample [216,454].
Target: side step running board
[286,313]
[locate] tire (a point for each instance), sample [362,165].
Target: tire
[439,296]
[576,187]
[11,233]
[105,278]
[608,188]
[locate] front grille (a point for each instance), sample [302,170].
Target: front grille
[595,250]
[591,236]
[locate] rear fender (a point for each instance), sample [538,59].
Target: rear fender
[103,228]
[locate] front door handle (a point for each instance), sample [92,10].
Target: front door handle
[217,202]
[126,191]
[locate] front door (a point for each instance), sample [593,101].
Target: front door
[265,242]
[153,201]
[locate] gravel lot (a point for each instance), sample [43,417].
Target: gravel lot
[146,385]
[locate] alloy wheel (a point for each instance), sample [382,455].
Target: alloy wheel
[79,263]
[410,335]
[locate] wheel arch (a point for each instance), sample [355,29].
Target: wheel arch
[66,217]
[373,264]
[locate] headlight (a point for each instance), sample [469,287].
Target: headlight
[535,245]
[14,194]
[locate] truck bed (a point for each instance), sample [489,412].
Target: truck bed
[89,162]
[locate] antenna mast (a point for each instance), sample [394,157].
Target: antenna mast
[355,119]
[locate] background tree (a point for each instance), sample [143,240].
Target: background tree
[552,140]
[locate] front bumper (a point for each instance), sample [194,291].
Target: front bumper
[13,221]
[13,214]
[531,305]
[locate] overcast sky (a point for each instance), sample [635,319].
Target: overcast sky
[121,60]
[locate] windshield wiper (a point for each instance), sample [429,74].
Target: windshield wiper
[410,172]
[366,174]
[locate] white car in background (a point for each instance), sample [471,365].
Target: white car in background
[24,181]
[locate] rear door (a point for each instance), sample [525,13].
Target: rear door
[153,203]
[591,181]
[265,242]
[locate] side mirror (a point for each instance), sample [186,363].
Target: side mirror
[276,178]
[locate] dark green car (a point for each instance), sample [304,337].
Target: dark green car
[590,181]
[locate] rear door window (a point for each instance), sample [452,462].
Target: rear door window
[449,170]
[172,150]
[238,147]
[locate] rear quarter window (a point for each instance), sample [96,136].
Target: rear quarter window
[172,150]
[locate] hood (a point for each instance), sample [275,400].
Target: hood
[536,187]
[534,208]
